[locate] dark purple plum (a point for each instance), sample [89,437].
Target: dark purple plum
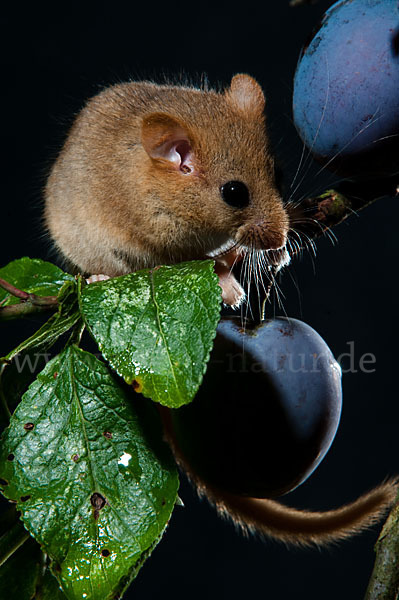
[267,411]
[346,88]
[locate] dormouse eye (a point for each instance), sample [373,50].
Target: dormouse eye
[235,193]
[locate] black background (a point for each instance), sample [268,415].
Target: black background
[52,59]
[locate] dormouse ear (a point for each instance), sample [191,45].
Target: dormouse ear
[246,96]
[166,141]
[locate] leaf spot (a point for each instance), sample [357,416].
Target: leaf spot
[124,459]
[29,426]
[25,498]
[75,457]
[10,457]
[55,375]
[98,501]
[107,434]
[137,385]
[105,552]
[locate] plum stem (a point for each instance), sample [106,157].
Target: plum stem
[334,206]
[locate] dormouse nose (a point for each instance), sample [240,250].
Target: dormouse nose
[271,238]
[269,233]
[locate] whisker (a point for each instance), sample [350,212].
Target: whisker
[256,276]
[331,236]
[371,122]
[240,255]
[317,131]
[299,166]
[387,137]
[245,278]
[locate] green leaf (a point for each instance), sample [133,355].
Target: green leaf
[94,481]
[156,327]
[19,575]
[34,276]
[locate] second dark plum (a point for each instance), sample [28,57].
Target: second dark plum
[267,411]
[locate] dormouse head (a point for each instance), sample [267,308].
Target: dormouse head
[209,159]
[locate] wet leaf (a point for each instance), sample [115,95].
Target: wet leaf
[87,466]
[156,327]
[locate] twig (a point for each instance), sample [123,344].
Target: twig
[29,303]
[11,289]
[384,581]
[27,297]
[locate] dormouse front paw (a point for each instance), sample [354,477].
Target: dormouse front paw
[99,277]
[232,293]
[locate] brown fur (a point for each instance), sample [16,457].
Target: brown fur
[116,203]
[273,519]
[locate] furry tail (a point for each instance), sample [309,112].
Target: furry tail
[301,527]
[297,527]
